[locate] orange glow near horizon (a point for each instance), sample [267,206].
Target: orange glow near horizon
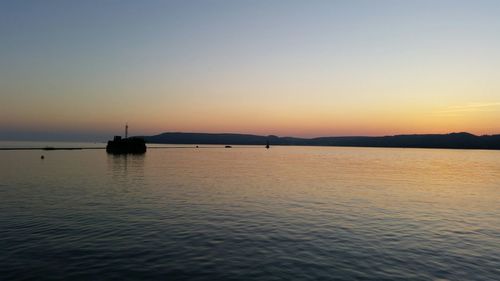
[296,122]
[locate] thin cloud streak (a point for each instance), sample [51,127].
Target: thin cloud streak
[473,107]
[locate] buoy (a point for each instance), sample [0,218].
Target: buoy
[42,157]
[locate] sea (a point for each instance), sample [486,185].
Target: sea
[249,213]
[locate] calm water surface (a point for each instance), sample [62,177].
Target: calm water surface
[287,213]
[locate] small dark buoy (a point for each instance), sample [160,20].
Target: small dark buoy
[42,157]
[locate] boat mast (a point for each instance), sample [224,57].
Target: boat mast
[126,130]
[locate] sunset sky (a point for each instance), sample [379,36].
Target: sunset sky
[82,69]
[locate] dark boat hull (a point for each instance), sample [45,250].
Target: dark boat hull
[126,146]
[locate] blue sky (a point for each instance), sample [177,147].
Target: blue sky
[306,68]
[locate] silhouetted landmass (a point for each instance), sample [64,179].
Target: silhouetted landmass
[454,140]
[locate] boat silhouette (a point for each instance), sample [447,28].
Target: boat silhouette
[132,145]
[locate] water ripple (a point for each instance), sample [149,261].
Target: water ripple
[282,214]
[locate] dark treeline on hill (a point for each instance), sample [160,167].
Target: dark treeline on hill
[454,140]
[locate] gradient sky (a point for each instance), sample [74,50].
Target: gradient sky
[81,69]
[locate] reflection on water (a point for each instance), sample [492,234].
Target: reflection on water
[120,164]
[287,213]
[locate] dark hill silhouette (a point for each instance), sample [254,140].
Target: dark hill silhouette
[453,140]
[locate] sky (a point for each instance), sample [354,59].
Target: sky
[82,69]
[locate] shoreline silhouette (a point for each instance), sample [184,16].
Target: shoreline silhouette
[461,140]
[439,141]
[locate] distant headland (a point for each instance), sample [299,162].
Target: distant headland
[452,141]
